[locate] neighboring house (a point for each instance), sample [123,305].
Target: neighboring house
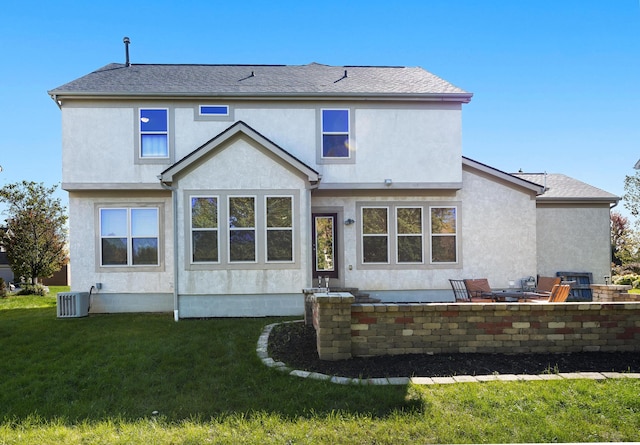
[5,270]
[224,190]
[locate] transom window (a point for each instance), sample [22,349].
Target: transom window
[129,236]
[154,133]
[395,234]
[214,110]
[335,133]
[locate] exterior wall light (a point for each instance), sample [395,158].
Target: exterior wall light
[388,182]
[348,222]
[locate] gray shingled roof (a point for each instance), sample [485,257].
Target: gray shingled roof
[255,80]
[560,187]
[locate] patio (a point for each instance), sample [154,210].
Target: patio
[345,329]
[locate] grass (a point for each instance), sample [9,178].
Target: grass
[101,379]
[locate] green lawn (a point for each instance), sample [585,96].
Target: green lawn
[101,379]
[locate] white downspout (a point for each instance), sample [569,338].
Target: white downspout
[174,205]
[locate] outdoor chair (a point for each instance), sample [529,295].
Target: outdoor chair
[460,291]
[559,294]
[544,287]
[545,284]
[462,294]
[479,289]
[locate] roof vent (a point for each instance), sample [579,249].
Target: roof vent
[126,42]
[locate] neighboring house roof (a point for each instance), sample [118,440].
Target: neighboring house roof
[509,178]
[260,80]
[562,188]
[239,129]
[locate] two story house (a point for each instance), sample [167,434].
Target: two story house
[224,190]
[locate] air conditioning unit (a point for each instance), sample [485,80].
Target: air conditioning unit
[73,304]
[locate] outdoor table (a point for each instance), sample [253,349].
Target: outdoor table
[512,295]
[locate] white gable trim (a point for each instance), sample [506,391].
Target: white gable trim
[499,174]
[239,128]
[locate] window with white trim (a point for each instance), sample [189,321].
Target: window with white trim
[375,234]
[335,125]
[409,239]
[213,110]
[129,236]
[279,228]
[154,132]
[408,235]
[204,229]
[242,228]
[444,234]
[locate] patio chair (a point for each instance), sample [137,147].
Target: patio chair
[462,294]
[460,291]
[545,284]
[559,293]
[479,289]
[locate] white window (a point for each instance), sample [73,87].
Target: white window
[375,234]
[204,229]
[279,228]
[129,236]
[409,239]
[242,229]
[444,235]
[214,110]
[154,132]
[335,126]
[411,235]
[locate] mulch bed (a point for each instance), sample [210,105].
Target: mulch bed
[295,345]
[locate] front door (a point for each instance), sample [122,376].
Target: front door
[325,249]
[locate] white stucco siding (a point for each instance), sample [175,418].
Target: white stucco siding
[97,144]
[574,239]
[421,277]
[498,230]
[244,169]
[405,145]
[84,247]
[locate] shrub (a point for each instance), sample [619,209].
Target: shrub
[628,279]
[34,289]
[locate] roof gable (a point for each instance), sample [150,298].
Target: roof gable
[260,80]
[562,188]
[499,174]
[239,129]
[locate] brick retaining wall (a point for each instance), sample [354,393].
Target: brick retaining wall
[347,330]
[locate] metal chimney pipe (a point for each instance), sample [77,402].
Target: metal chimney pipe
[126,42]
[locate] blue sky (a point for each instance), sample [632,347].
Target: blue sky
[556,83]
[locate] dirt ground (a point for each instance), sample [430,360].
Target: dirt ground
[295,345]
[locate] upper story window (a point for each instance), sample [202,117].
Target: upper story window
[335,134]
[214,110]
[154,133]
[129,236]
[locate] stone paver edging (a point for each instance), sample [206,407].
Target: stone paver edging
[263,354]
